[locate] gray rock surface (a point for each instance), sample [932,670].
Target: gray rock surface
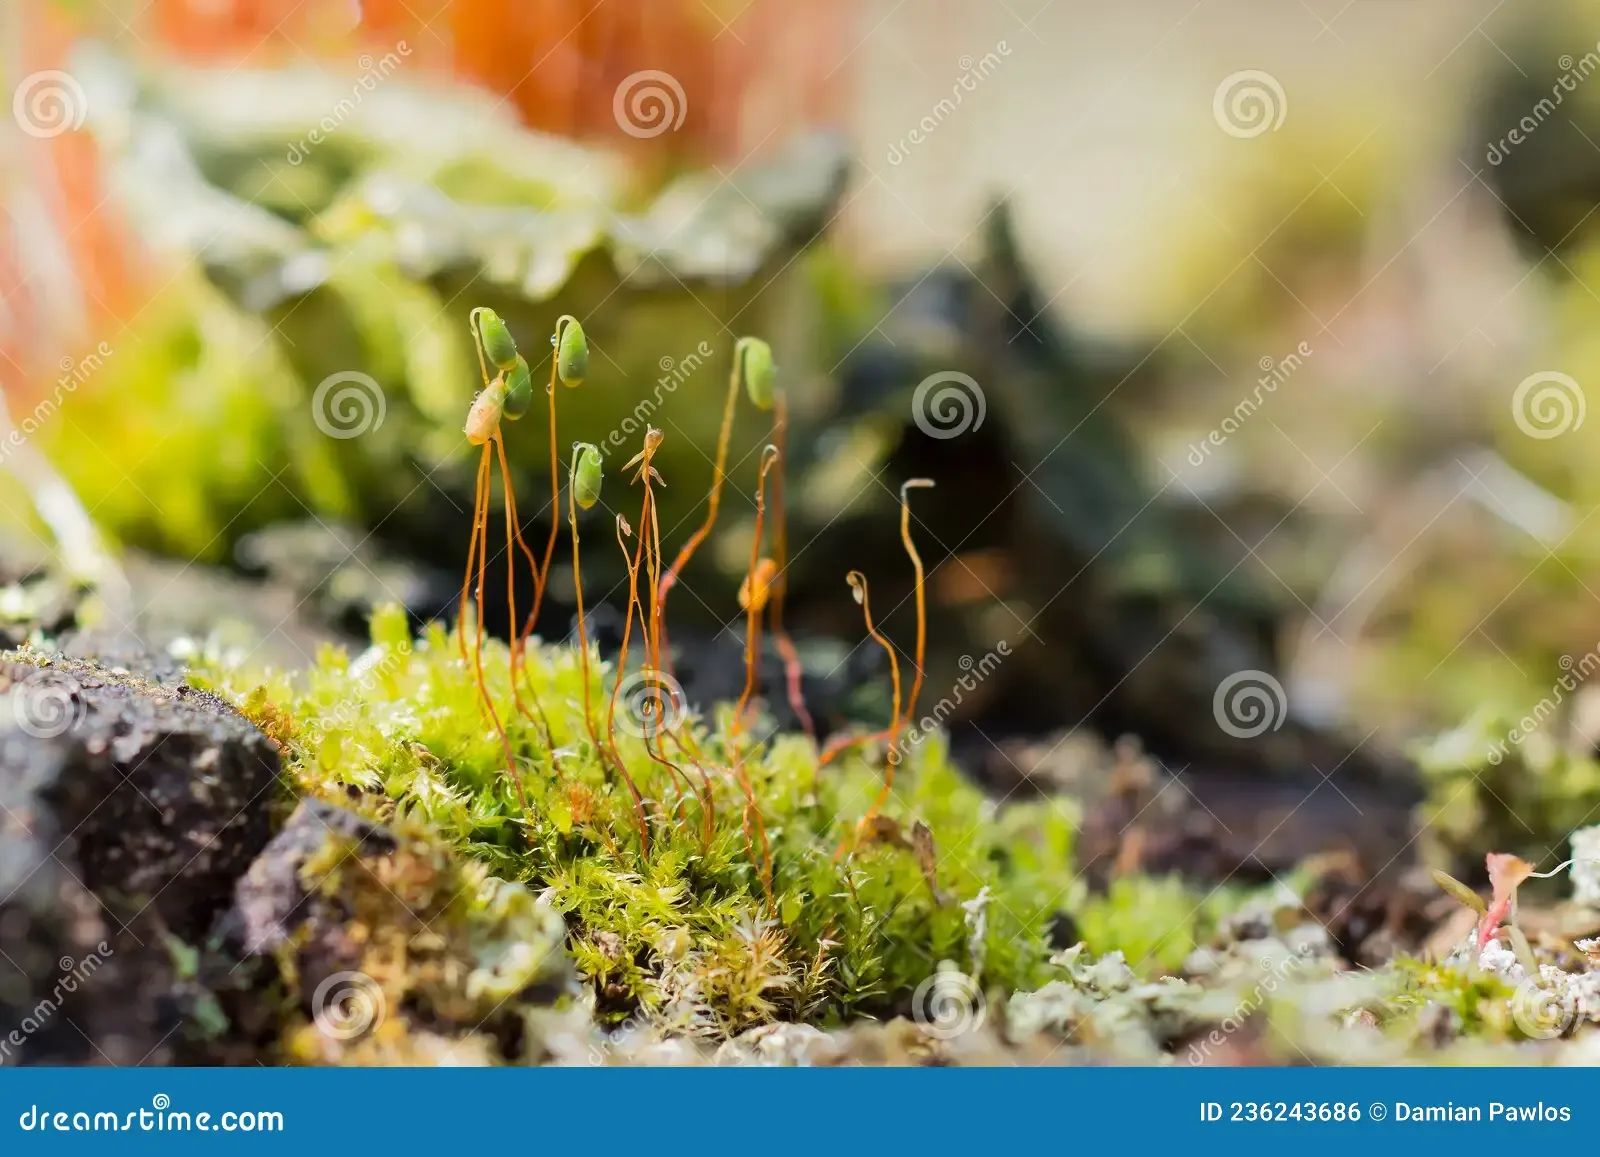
[127,810]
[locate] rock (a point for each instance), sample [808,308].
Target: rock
[128,810]
[270,898]
[392,950]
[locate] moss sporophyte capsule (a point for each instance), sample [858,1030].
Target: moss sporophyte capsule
[497,343]
[759,372]
[586,475]
[484,417]
[572,352]
[519,389]
[757,586]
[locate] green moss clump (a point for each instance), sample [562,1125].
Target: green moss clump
[686,933]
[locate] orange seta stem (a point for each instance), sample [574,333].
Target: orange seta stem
[752,637]
[650,547]
[718,474]
[583,631]
[892,734]
[542,574]
[479,511]
[752,811]
[792,671]
[514,642]
[482,526]
[622,667]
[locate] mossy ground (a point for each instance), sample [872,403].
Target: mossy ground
[689,934]
[776,904]
[469,915]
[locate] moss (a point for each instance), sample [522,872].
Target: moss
[1498,784]
[685,933]
[1154,922]
[406,941]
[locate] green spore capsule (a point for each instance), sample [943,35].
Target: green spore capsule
[758,370]
[519,389]
[572,354]
[586,475]
[497,343]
